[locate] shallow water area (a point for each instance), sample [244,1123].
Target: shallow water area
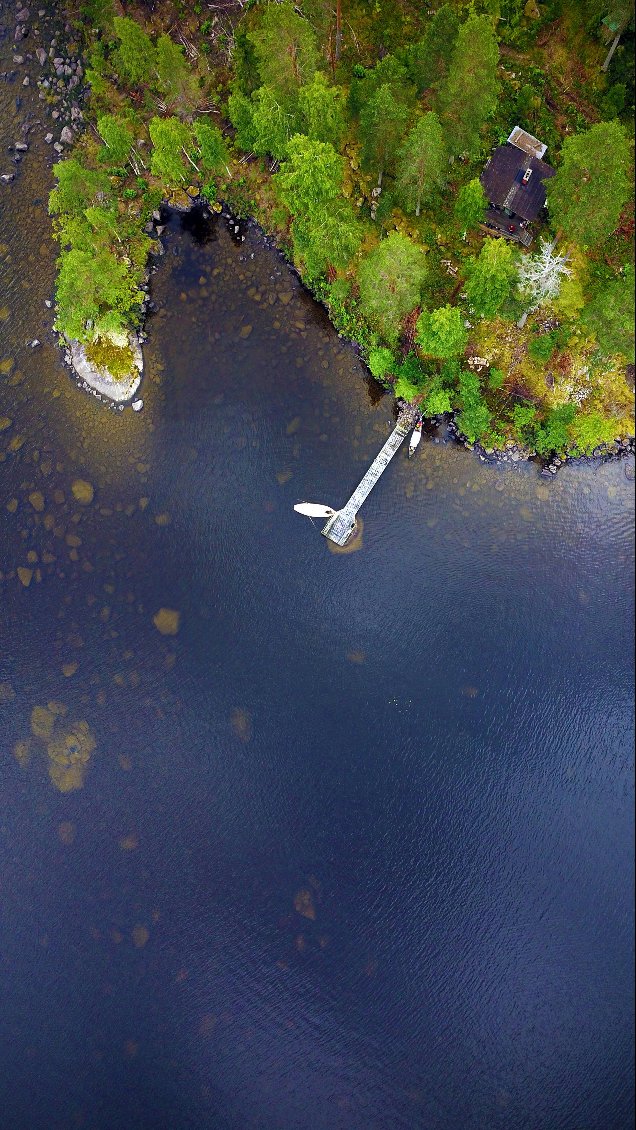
[347,839]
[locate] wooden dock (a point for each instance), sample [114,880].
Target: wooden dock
[342,524]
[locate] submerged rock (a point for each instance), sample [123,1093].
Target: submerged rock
[304,904]
[69,753]
[241,723]
[167,621]
[140,936]
[82,491]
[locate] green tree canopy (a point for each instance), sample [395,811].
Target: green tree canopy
[391,279]
[245,63]
[324,227]
[366,83]
[441,333]
[213,155]
[438,401]
[422,163]
[94,228]
[134,58]
[285,48]
[171,140]
[322,111]
[468,95]
[311,177]
[77,187]
[329,238]
[609,315]
[176,79]
[470,205]
[553,435]
[241,114]
[117,135]
[491,277]
[587,195]
[273,123]
[382,362]
[429,58]
[94,288]
[474,418]
[382,124]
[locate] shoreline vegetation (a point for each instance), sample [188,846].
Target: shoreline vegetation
[355,139]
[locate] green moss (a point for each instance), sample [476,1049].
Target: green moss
[104,354]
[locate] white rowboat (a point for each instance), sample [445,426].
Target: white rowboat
[415,438]
[314,510]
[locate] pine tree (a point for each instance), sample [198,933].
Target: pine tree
[429,59]
[470,206]
[134,58]
[391,280]
[244,63]
[176,81]
[591,187]
[441,333]
[285,49]
[322,111]
[382,125]
[491,277]
[468,95]
[366,83]
[422,163]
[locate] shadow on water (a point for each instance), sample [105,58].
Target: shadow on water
[375,392]
[199,223]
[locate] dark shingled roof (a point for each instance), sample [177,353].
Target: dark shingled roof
[501,181]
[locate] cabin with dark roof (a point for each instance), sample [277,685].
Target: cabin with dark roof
[514,183]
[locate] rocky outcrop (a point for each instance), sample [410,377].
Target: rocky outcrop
[99,380]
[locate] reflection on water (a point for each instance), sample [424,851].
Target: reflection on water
[353,843]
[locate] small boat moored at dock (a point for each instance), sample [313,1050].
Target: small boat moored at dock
[415,437]
[314,510]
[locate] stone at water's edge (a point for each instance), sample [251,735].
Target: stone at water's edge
[100,380]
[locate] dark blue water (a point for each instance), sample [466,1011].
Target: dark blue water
[354,847]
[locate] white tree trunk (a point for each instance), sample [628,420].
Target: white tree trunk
[540,277]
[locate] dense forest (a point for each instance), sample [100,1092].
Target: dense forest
[356,135]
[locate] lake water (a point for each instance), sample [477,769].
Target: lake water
[354,847]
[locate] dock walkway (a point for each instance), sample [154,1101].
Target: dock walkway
[341,525]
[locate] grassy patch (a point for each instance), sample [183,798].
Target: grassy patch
[104,354]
